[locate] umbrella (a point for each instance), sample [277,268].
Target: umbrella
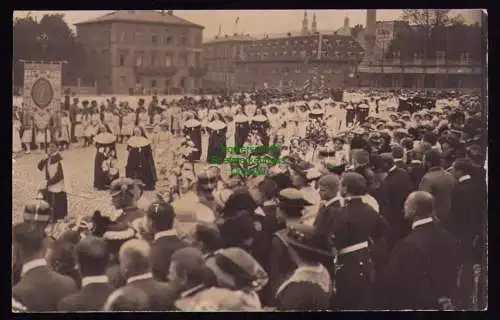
[138,142]
[105,138]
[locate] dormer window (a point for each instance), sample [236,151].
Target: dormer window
[464,57]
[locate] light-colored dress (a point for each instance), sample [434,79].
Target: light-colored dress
[64,134]
[16,138]
[231,131]
[79,125]
[302,118]
[128,124]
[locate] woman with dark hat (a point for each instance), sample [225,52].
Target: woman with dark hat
[260,125]
[308,286]
[238,279]
[105,163]
[192,129]
[140,162]
[217,130]
[291,204]
[242,128]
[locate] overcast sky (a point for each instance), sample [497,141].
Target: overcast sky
[256,22]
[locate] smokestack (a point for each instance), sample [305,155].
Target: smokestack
[171,12]
[370,33]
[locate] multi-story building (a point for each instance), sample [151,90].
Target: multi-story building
[144,50]
[220,55]
[328,60]
[451,58]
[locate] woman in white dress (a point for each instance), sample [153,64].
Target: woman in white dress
[274,123]
[142,118]
[16,138]
[291,121]
[128,123]
[231,130]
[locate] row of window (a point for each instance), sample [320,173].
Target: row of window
[313,53]
[465,57]
[297,70]
[167,38]
[153,83]
[158,59]
[296,42]
[222,51]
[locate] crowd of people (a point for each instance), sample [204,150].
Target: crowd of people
[378,202]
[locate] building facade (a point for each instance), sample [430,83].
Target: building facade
[451,58]
[325,60]
[143,51]
[220,55]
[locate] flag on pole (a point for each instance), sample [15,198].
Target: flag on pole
[237,20]
[220,29]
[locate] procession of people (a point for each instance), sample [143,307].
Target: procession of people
[374,200]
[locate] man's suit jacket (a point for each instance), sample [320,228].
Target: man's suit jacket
[161,295]
[401,164]
[422,269]
[396,188]
[161,253]
[90,298]
[440,184]
[467,211]
[115,276]
[41,289]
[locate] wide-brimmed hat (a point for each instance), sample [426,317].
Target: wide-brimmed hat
[304,237]
[293,197]
[234,267]
[207,180]
[124,186]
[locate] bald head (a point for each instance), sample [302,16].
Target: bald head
[134,257]
[92,255]
[328,186]
[419,204]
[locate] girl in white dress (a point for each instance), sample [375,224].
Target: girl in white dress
[87,127]
[231,130]
[16,138]
[128,123]
[142,118]
[291,121]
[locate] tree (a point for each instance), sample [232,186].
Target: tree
[457,21]
[355,30]
[50,39]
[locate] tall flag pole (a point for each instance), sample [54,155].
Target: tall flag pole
[320,45]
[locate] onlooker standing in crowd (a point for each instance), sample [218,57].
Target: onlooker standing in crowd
[134,264]
[438,182]
[40,289]
[423,267]
[160,217]
[92,258]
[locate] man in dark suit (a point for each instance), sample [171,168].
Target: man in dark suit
[438,182]
[466,222]
[134,264]
[422,271]
[398,155]
[396,186]
[72,117]
[160,216]
[92,255]
[40,289]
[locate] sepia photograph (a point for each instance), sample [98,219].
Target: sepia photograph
[249,160]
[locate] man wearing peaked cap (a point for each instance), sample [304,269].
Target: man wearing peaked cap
[356,276]
[160,217]
[38,212]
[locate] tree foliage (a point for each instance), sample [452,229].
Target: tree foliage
[50,39]
[355,30]
[426,20]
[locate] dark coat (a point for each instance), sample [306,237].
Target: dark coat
[467,212]
[41,289]
[281,264]
[395,188]
[162,250]
[422,269]
[115,276]
[355,223]
[161,295]
[90,298]
[401,164]
[440,184]
[416,171]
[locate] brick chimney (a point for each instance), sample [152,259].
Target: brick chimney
[171,12]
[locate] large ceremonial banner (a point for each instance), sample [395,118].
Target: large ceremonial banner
[42,89]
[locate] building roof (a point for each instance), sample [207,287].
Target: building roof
[227,38]
[141,16]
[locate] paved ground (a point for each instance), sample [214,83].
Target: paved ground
[78,171]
